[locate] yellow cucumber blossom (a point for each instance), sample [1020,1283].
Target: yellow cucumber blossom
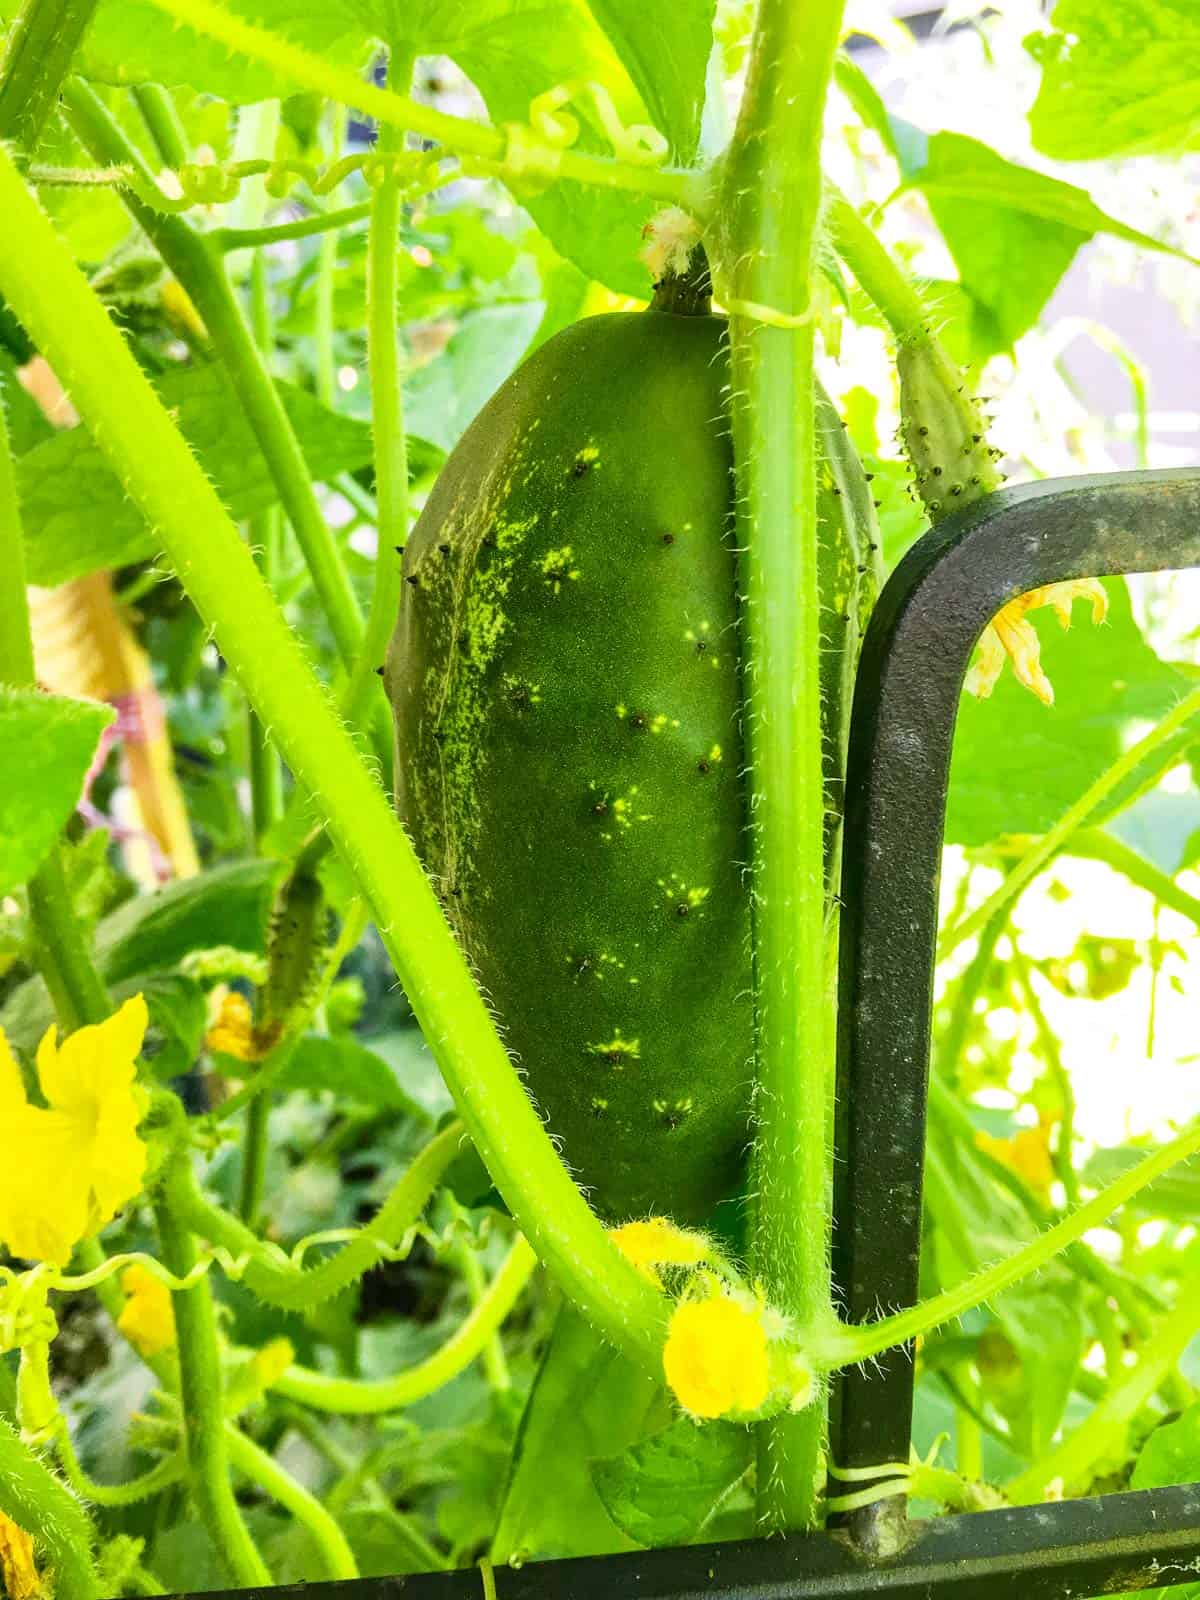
[148,1317]
[1010,636]
[715,1358]
[657,1242]
[75,1162]
[18,1570]
[233,1032]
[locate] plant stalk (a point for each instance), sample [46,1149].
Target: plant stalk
[42,41]
[772,186]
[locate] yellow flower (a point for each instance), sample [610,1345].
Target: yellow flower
[148,1317]
[657,1242]
[232,1034]
[17,1566]
[715,1358]
[74,1163]
[1027,1153]
[1010,636]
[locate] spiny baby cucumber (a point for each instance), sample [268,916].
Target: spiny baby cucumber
[944,430]
[565,676]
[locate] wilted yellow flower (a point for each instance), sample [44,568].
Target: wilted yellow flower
[17,1566]
[232,1034]
[75,1162]
[715,1358]
[148,1317]
[657,1242]
[1011,637]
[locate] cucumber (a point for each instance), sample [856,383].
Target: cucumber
[565,679]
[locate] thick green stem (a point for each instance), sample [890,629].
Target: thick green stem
[773,188]
[40,1504]
[41,44]
[201,1389]
[1054,839]
[52,298]
[16,638]
[263,1470]
[358,1397]
[201,271]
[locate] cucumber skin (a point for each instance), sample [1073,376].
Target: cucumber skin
[565,680]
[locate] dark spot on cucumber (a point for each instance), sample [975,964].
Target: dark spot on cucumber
[668,538]
[683,909]
[704,768]
[638,722]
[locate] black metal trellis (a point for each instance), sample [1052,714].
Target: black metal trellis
[921,636]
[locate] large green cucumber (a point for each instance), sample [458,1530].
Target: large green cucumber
[565,679]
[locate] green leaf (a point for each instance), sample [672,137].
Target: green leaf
[152,933]
[1119,77]
[78,518]
[132,41]
[663,1490]
[47,744]
[1175,1196]
[345,1068]
[1012,232]
[665,51]
[1171,1454]
[441,399]
[178,1014]
[1044,1321]
[515,50]
[1017,764]
[587,1401]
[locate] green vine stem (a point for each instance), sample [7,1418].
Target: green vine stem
[327,257]
[881,278]
[772,185]
[275,1279]
[495,1363]
[266,1472]
[36,1500]
[51,297]
[227,239]
[512,153]
[844,1345]
[153,1481]
[200,270]
[1047,846]
[200,1387]
[360,1397]
[387,428]
[163,121]
[41,44]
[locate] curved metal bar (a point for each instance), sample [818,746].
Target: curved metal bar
[925,625]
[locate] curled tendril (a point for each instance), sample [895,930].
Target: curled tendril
[535,147]
[216,182]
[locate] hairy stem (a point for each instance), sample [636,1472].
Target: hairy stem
[264,1470]
[359,1397]
[43,1506]
[773,189]
[52,298]
[201,1389]
[41,44]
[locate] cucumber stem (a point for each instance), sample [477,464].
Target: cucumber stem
[772,189]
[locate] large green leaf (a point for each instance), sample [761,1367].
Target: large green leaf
[1018,764]
[665,51]
[78,517]
[1119,78]
[663,1490]
[47,744]
[443,397]
[1012,232]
